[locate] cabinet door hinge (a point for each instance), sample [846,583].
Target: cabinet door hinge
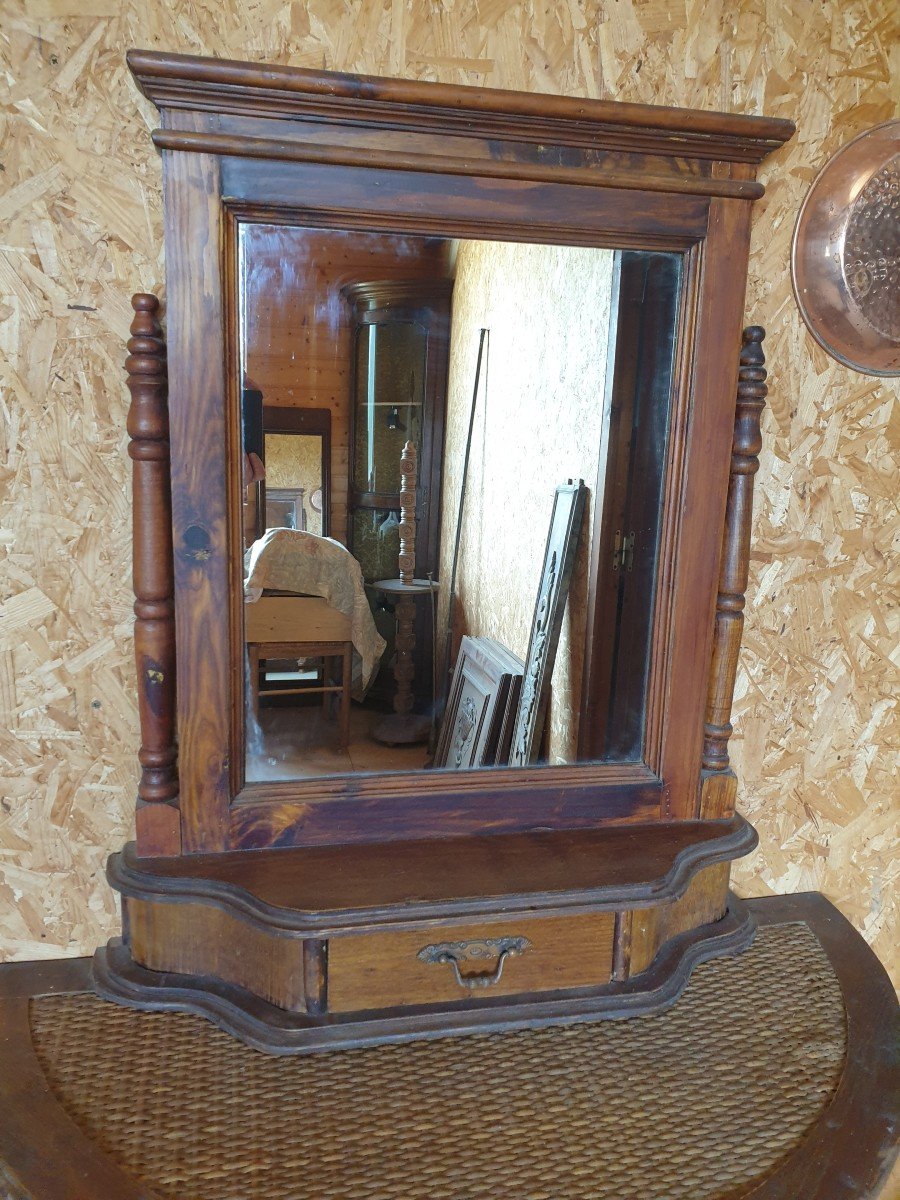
[623,551]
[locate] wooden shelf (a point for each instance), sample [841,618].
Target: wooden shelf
[318,888]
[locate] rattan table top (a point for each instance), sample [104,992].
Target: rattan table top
[694,1103]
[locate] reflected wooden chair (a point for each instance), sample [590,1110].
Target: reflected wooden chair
[301,627]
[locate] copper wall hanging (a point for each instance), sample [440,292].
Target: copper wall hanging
[845,260]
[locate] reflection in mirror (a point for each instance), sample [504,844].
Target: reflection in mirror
[453,470]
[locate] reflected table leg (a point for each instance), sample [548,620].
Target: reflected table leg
[346,679]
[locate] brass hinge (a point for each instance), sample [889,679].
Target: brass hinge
[623,551]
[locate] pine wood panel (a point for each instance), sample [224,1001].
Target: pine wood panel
[298,327]
[295,619]
[200,939]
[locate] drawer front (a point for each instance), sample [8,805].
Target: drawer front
[443,963]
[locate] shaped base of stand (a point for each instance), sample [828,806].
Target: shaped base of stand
[402,729]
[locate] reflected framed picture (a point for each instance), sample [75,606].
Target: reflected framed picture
[486,682]
[559,559]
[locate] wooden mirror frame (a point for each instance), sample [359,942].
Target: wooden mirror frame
[284,145]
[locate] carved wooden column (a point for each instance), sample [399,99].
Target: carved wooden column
[158,818]
[403,727]
[404,663]
[718,785]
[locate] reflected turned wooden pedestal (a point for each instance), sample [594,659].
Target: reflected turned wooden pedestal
[404,727]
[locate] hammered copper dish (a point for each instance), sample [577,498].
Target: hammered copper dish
[845,260]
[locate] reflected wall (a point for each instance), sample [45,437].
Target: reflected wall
[539,420]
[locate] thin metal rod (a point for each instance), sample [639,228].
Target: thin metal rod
[483,337]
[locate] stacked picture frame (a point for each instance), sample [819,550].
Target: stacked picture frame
[481,708]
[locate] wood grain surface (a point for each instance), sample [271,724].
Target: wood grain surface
[385,971]
[314,888]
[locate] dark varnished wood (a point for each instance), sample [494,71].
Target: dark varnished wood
[315,977]
[703,902]
[244,920]
[248,144]
[223,86]
[43,1153]
[734,572]
[158,824]
[312,890]
[849,1152]
[443,804]
[390,156]
[272,150]
[206,498]
[464,206]
[694,516]
[386,970]
[555,214]
[45,977]
[209,939]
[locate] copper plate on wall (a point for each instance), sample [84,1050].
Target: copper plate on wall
[845,260]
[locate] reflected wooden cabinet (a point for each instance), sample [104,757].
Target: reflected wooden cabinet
[400,342]
[330,909]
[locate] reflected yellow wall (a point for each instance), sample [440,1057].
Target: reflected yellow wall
[538,424]
[294,460]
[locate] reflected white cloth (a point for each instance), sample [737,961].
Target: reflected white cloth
[291,560]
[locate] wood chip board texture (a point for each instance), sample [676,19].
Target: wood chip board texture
[80,212]
[685,1105]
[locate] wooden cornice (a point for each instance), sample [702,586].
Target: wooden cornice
[283,150]
[177,81]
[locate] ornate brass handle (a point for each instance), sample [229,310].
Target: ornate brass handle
[455,953]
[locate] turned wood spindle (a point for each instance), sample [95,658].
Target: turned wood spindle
[154,629]
[404,662]
[735,563]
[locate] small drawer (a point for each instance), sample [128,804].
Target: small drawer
[437,964]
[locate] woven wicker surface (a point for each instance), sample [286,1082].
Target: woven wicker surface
[692,1103]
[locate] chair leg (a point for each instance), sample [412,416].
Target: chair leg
[346,677]
[253,668]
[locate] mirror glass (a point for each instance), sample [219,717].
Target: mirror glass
[293,464]
[452,476]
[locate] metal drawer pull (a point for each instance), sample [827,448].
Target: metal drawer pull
[455,953]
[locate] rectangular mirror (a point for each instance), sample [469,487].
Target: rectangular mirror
[454,456]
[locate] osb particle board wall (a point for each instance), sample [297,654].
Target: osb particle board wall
[80,221]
